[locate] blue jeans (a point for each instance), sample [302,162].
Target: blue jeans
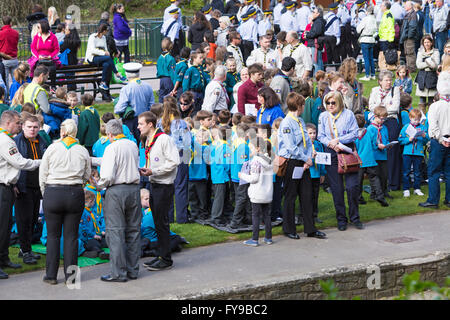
[415,161]
[428,24]
[108,67]
[441,39]
[369,65]
[318,65]
[438,161]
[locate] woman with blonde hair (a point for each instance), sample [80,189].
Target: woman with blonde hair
[17,101]
[53,18]
[65,168]
[21,76]
[337,127]
[353,95]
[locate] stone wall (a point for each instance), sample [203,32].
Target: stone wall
[351,281]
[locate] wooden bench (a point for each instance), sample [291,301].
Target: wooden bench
[78,74]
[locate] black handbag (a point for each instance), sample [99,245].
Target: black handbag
[391,56]
[426,79]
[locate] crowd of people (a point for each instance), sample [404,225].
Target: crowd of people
[262,109]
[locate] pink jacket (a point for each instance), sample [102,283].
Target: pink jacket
[48,48]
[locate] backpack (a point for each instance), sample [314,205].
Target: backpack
[391,56]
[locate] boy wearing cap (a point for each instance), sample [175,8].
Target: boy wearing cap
[288,20]
[303,15]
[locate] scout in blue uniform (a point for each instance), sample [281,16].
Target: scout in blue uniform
[220,161]
[165,69]
[366,146]
[380,135]
[195,80]
[240,153]
[317,171]
[413,151]
[180,69]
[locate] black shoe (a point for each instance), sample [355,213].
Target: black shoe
[131,277]
[90,254]
[28,258]
[428,205]
[447,203]
[362,201]
[318,235]
[11,265]
[150,262]
[358,225]
[109,278]
[50,281]
[342,227]
[3,275]
[34,255]
[317,220]
[158,265]
[294,236]
[103,255]
[383,202]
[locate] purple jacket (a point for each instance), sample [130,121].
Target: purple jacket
[121,29]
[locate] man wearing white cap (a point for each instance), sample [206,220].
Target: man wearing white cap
[171,28]
[303,14]
[135,98]
[288,21]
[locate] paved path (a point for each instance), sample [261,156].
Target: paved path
[234,264]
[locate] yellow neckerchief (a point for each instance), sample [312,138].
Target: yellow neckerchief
[301,127]
[7,133]
[90,108]
[237,142]
[314,149]
[262,108]
[69,142]
[94,220]
[239,53]
[1,101]
[104,139]
[119,137]
[200,71]
[333,125]
[73,110]
[98,199]
[137,80]
[293,48]
[147,211]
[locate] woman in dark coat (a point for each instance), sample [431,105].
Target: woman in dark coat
[197,30]
[312,37]
[72,42]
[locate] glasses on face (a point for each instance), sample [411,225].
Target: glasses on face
[330,102]
[185,103]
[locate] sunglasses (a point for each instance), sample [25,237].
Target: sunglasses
[185,103]
[330,102]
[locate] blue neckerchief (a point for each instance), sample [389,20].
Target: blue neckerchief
[287,79]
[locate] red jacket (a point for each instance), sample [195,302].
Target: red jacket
[248,94]
[9,38]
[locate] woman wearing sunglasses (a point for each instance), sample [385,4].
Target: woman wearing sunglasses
[337,125]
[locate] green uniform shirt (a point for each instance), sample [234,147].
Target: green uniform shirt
[88,127]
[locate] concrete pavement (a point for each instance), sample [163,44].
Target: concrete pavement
[233,264]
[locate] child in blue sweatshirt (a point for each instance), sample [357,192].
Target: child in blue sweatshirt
[380,138]
[220,161]
[413,151]
[366,147]
[317,171]
[60,111]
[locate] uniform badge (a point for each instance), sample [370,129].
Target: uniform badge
[156,159]
[244,156]
[278,91]
[286,130]
[13,151]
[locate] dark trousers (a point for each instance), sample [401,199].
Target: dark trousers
[332,52]
[394,155]
[242,206]
[181,195]
[416,163]
[165,88]
[315,196]
[107,63]
[63,207]
[126,51]
[383,172]
[246,48]
[439,161]
[27,211]
[345,46]
[132,124]
[336,181]
[218,205]
[294,188]
[198,199]
[261,211]
[96,245]
[374,180]
[160,197]
[6,205]
[355,45]
[276,211]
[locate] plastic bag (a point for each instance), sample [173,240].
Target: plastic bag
[120,69]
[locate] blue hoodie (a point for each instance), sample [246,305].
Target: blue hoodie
[366,147]
[415,147]
[373,130]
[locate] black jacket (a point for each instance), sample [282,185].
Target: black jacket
[72,44]
[218,4]
[22,147]
[317,31]
[409,27]
[195,34]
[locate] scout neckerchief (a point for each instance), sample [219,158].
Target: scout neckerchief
[237,142]
[91,109]
[287,79]
[202,78]
[379,137]
[383,94]
[301,127]
[69,142]
[294,48]
[152,140]
[355,88]
[98,199]
[445,98]
[239,53]
[362,134]
[73,111]
[103,140]
[119,137]
[333,122]
[94,220]
[235,75]
[262,109]
[7,133]
[33,143]
[137,80]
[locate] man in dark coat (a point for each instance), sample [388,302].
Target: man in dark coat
[408,36]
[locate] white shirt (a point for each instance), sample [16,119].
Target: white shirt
[343,15]
[302,57]
[95,47]
[334,29]
[249,31]
[288,22]
[268,59]
[11,161]
[263,26]
[174,30]
[439,120]
[237,54]
[120,164]
[163,160]
[64,166]
[277,13]
[398,11]
[303,14]
[216,97]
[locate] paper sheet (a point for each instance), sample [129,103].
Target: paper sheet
[345,148]
[323,158]
[250,109]
[297,173]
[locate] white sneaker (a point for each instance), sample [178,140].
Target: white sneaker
[418,192]
[364,78]
[406,194]
[373,78]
